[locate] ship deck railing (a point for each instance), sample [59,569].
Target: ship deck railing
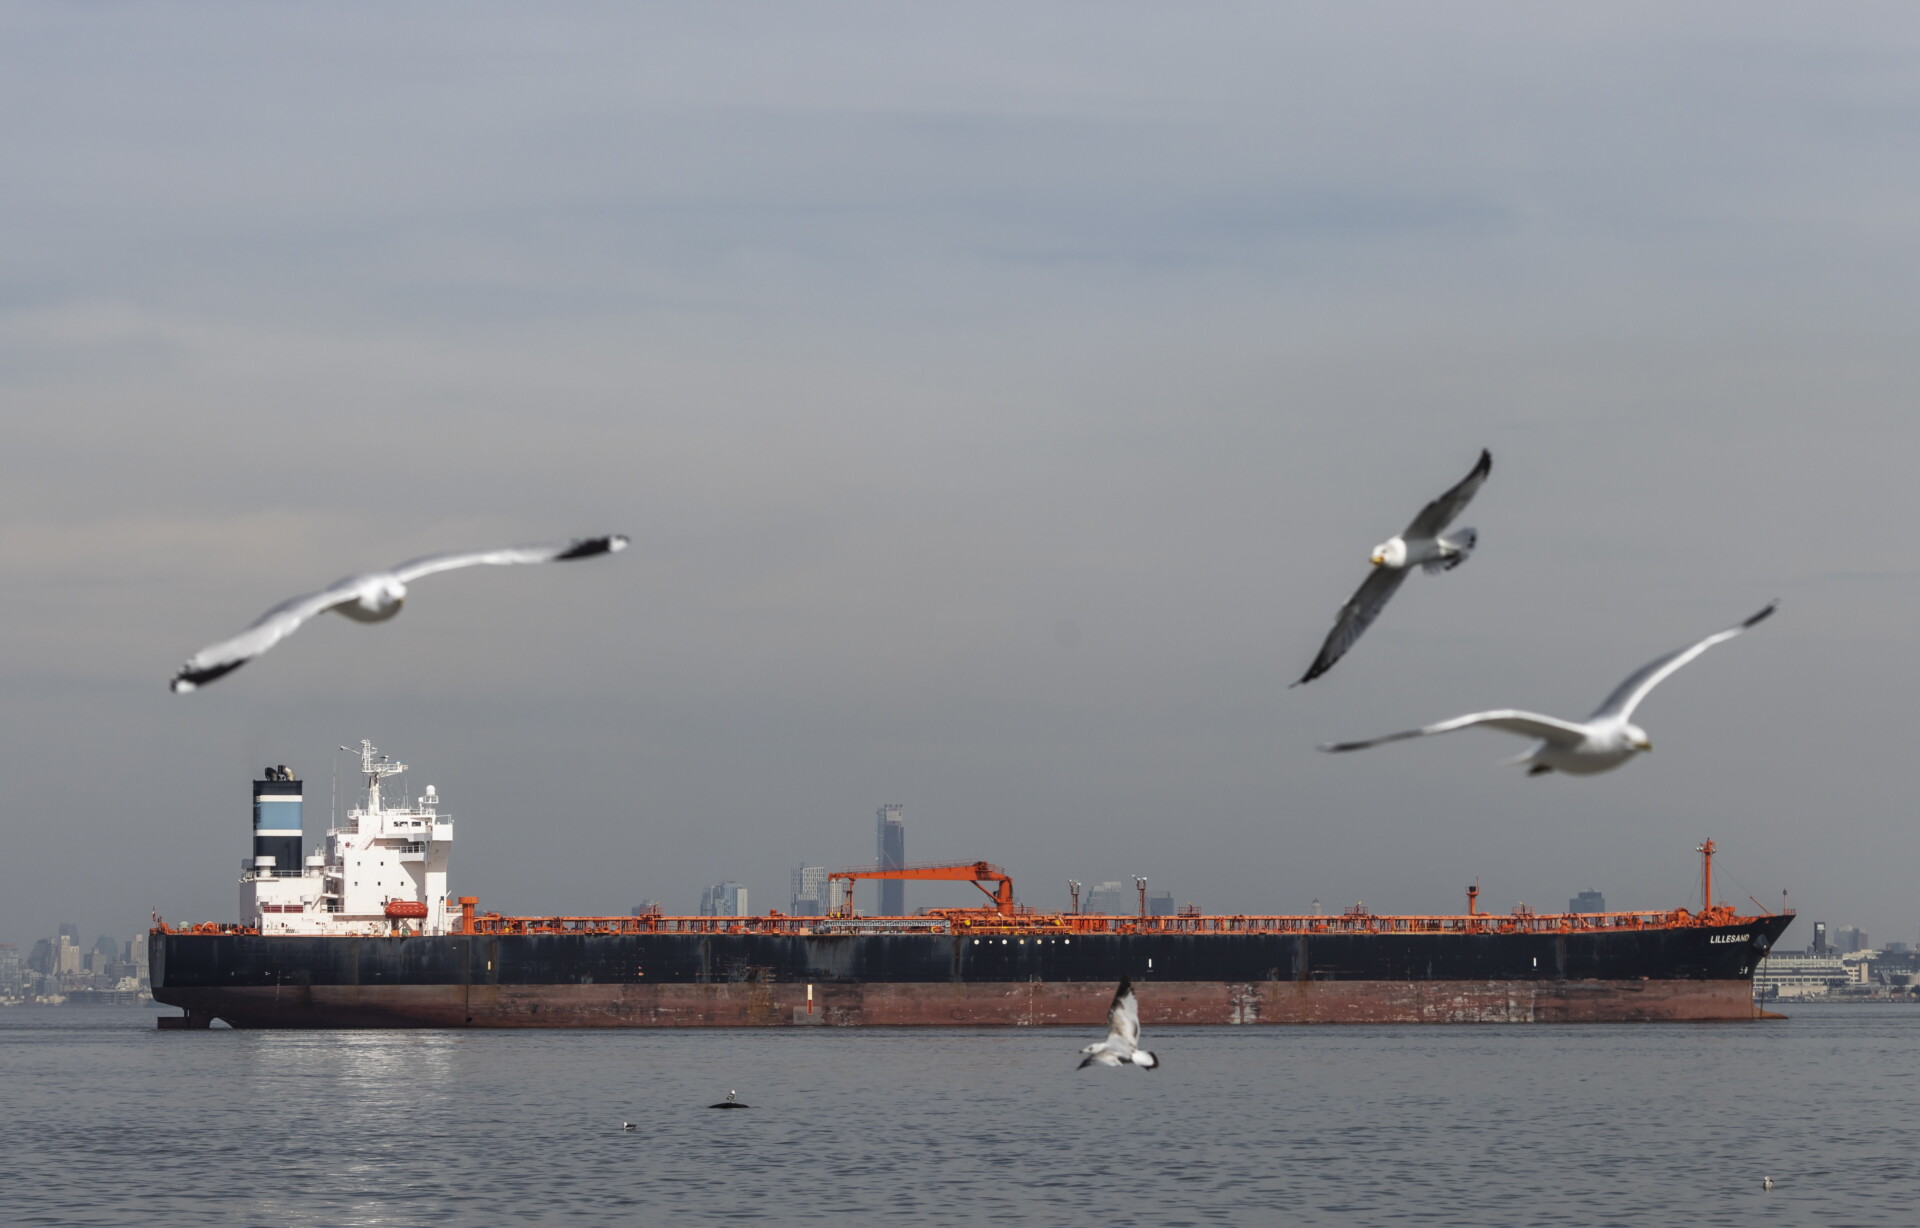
[977,921]
[988,921]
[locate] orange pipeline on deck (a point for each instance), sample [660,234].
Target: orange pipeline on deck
[983,920]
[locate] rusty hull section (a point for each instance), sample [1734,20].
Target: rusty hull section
[1028,1004]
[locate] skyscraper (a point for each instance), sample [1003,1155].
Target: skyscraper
[1112,899]
[728,899]
[809,897]
[1587,901]
[891,833]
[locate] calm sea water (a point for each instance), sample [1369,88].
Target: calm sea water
[106,1121]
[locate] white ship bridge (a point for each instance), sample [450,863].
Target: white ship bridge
[384,869]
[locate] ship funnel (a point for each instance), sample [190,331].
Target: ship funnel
[277,838]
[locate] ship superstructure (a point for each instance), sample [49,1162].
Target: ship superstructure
[383,871]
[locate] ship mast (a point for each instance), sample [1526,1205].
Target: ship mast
[1706,874]
[376,767]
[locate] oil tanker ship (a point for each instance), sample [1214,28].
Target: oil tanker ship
[365,935]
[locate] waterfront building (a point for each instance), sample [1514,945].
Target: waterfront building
[1786,975]
[1587,901]
[1893,968]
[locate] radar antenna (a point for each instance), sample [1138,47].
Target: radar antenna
[376,767]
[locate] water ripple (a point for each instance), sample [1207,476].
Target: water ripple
[111,1123]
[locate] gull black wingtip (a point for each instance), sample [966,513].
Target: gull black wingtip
[587,547]
[193,679]
[1320,666]
[1765,612]
[1484,465]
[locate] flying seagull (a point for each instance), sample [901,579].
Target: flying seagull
[1603,741]
[729,1102]
[370,598]
[1123,1034]
[1420,544]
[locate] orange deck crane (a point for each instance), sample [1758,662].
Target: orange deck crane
[979,873]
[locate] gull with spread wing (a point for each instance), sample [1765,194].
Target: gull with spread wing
[370,598]
[1602,742]
[1421,544]
[1122,1044]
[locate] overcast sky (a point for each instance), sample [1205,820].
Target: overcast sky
[1001,400]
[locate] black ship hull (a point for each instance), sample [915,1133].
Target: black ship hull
[1678,972]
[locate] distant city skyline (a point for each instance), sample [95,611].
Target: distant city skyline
[57,968]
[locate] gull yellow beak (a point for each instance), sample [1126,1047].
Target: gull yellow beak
[1647,746]
[1378,559]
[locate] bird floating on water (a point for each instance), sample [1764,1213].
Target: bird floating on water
[1420,544]
[1122,1044]
[371,597]
[1766,1183]
[1602,742]
[626,1125]
[729,1102]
